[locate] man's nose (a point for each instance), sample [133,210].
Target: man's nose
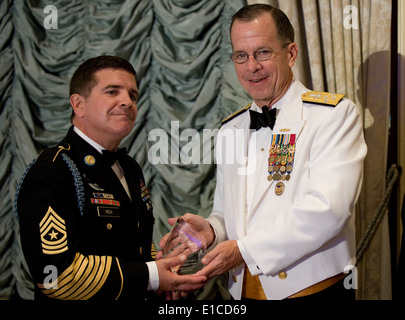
[252,64]
[126,100]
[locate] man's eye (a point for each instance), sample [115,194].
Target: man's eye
[263,53]
[111,92]
[241,55]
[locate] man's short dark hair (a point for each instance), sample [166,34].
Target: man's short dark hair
[83,79]
[285,30]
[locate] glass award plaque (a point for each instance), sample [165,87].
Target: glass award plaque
[185,240]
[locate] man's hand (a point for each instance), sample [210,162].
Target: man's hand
[201,225]
[169,281]
[223,258]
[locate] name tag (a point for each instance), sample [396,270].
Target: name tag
[108,212]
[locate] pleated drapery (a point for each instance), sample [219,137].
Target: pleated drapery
[180,49]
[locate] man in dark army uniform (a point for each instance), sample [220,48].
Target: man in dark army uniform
[85,213]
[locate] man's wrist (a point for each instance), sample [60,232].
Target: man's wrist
[153,282]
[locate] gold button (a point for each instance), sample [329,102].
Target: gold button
[109,226]
[262,149]
[234,278]
[140,250]
[282,275]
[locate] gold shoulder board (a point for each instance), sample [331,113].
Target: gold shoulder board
[326,98]
[234,115]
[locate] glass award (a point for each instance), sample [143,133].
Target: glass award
[185,240]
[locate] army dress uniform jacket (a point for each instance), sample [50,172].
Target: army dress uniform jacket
[81,235]
[296,232]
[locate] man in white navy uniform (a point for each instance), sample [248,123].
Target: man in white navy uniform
[283,221]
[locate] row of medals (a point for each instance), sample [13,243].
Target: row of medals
[281,159]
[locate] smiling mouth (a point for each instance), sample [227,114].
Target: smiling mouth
[257,80]
[124,114]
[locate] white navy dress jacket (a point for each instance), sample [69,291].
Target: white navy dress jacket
[306,234]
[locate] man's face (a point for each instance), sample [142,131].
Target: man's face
[109,112]
[265,81]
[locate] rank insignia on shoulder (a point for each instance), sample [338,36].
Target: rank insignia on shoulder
[325,98]
[237,113]
[53,233]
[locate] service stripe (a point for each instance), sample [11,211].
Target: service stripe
[82,279]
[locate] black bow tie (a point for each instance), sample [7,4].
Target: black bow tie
[111,157]
[261,120]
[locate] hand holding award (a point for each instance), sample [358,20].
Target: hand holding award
[185,240]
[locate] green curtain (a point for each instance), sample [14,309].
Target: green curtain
[180,49]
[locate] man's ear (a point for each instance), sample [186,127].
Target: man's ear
[77,102]
[293,54]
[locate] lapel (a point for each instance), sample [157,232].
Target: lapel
[134,185]
[233,147]
[289,121]
[97,172]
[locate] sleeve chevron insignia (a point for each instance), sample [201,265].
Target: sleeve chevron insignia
[53,233]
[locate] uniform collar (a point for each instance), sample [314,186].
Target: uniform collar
[279,104]
[94,144]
